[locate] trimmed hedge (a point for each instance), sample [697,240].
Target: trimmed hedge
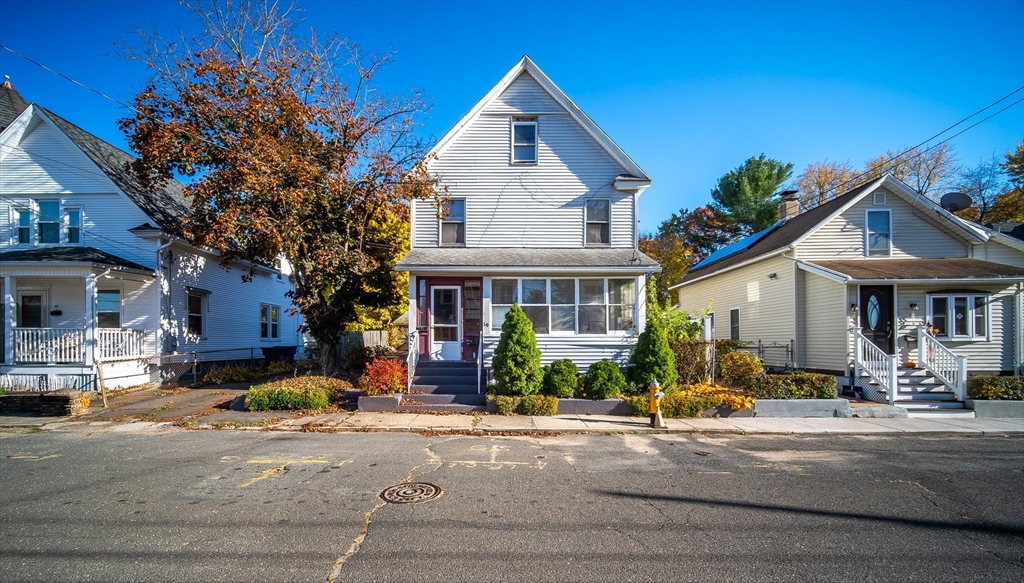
[538,405]
[561,379]
[793,385]
[604,380]
[673,405]
[996,388]
[305,393]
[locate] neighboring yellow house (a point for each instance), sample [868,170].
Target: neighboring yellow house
[853,284]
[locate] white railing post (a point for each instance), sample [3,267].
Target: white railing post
[858,354]
[961,365]
[893,378]
[90,321]
[922,348]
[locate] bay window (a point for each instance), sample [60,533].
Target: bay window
[959,316]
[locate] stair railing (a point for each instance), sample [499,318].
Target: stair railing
[942,362]
[412,358]
[479,364]
[872,360]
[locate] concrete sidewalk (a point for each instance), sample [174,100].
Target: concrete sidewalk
[517,424]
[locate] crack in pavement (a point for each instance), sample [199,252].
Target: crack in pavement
[367,518]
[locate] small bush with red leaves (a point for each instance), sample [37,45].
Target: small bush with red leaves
[383,376]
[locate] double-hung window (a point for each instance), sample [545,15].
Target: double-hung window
[959,316]
[108,308]
[621,303]
[73,234]
[878,235]
[524,140]
[598,222]
[567,305]
[504,293]
[196,308]
[734,324]
[535,304]
[48,223]
[269,318]
[563,305]
[24,226]
[453,223]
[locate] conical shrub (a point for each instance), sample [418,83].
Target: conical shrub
[517,369]
[652,357]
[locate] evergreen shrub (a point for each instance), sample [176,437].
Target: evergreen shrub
[517,369]
[604,380]
[652,359]
[561,379]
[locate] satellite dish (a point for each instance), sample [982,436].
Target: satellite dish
[956,201]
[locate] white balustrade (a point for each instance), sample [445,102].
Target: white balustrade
[49,345]
[114,343]
[942,362]
[881,367]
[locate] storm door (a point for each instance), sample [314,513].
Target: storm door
[445,317]
[876,315]
[30,309]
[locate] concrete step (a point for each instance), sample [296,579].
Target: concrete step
[918,381]
[941,413]
[929,405]
[439,399]
[444,389]
[446,366]
[444,380]
[924,394]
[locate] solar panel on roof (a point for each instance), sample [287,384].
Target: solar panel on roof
[738,246]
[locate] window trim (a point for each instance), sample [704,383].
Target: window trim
[530,121]
[66,224]
[442,220]
[587,222]
[739,324]
[271,323]
[204,307]
[26,212]
[494,327]
[867,233]
[58,221]
[972,335]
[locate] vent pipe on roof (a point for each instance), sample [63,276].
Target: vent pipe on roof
[789,206]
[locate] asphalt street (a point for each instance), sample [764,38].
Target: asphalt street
[178,505]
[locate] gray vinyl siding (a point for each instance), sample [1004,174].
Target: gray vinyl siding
[983,356]
[767,306]
[527,205]
[997,252]
[914,234]
[823,342]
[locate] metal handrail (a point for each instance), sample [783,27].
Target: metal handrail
[943,363]
[479,363]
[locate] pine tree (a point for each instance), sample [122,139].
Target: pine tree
[517,369]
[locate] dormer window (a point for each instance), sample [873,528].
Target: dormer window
[878,234]
[524,140]
[598,222]
[453,224]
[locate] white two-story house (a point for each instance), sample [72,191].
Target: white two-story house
[92,273]
[542,213]
[880,287]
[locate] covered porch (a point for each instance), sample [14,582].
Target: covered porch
[74,314]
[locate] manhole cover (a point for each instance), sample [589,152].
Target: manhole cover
[411,493]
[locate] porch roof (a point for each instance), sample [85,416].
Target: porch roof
[953,268]
[76,254]
[482,260]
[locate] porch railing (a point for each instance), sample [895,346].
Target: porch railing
[412,358]
[873,361]
[49,345]
[113,343]
[943,363]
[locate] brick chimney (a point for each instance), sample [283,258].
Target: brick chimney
[789,206]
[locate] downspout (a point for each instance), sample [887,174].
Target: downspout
[160,289]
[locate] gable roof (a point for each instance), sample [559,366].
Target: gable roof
[166,205]
[794,230]
[527,66]
[11,104]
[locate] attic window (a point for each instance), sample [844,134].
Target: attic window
[879,198]
[524,140]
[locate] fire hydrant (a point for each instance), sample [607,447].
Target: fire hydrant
[655,405]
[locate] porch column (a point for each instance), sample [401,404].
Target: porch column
[90,320]
[10,314]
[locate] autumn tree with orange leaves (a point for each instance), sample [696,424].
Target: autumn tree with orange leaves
[287,150]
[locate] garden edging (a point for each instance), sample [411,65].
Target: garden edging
[802,408]
[991,409]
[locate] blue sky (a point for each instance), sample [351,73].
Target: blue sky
[688,89]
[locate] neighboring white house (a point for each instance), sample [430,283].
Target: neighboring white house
[852,283]
[543,213]
[91,270]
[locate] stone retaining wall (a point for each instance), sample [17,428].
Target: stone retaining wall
[60,403]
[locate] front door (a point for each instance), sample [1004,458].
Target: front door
[30,309]
[445,337]
[876,315]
